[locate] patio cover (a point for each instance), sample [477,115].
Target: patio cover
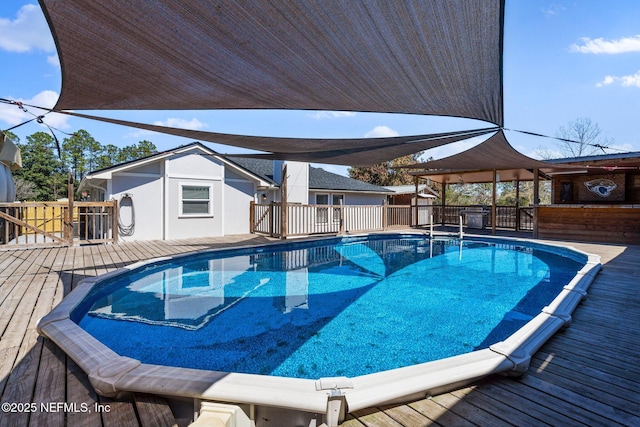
[478,163]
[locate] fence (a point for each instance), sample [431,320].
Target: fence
[509,217]
[50,223]
[301,220]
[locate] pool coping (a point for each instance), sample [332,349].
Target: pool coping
[111,374]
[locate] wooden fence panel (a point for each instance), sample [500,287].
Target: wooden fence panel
[29,224]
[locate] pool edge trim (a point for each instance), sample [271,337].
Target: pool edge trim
[110,373]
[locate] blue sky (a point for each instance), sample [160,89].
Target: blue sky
[562,60]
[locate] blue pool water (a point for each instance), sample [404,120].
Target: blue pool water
[309,310]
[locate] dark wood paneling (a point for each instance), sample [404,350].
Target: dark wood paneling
[595,224]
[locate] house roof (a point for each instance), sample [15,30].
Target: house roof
[631,157]
[423,189]
[194,146]
[319,179]
[262,169]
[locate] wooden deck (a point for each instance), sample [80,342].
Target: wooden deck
[588,374]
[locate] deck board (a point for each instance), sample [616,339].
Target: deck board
[587,374]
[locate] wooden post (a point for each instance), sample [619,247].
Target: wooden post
[341,217]
[252,217]
[494,211]
[283,203]
[114,225]
[385,215]
[69,217]
[271,218]
[415,223]
[443,196]
[536,201]
[517,205]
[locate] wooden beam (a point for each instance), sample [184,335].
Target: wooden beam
[494,211]
[283,203]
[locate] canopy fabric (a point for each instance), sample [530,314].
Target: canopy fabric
[372,153]
[437,57]
[493,154]
[350,152]
[9,153]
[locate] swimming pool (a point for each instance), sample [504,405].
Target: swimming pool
[358,320]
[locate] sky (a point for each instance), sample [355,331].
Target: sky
[563,60]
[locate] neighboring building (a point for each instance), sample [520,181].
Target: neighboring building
[406,194]
[191,191]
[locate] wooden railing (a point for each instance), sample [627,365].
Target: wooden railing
[57,223]
[510,217]
[304,220]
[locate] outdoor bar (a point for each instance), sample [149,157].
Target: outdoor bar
[593,198]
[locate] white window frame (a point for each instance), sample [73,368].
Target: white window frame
[181,200]
[332,214]
[322,217]
[336,213]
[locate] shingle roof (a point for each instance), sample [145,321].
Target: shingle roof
[319,179]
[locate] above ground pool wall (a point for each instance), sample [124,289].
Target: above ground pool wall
[111,373]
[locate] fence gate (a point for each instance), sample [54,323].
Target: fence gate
[57,223]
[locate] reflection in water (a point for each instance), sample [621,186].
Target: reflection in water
[348,309]
[189,296]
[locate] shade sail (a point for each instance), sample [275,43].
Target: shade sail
[9,153]
[351,152]
[437,57]
[493,154]
[372,154]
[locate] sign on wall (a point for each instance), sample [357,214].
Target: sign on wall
[601,188]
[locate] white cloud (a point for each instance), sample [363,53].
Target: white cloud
[54,61]
[193,124]
[28,32]
[553,9]
[320,115]
[625,81]
[381,132]
[600,45]
[13,115]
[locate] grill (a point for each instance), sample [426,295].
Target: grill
[476,216]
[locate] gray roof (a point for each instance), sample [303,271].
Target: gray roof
[598,157]
[319,179]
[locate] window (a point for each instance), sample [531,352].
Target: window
[337,199]
[322,214]
[196,200]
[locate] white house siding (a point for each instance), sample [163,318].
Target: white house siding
[198,171]
[238,194]
[146,194]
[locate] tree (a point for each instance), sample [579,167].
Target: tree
[107,157]
[42,167]
[136,151]
[25,190]
[586,135]
[80,153]
[384,173]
